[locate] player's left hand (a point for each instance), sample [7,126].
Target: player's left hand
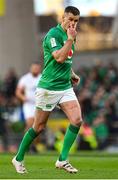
[75,79]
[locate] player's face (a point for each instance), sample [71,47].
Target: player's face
[35,69]
[70,20]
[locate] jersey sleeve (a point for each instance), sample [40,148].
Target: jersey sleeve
[53,41]
[21,83]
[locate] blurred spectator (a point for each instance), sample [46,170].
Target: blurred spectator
[9,84]
[98,96]
[112,113]
[3,128]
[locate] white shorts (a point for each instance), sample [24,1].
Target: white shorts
[28,110]
[47,100]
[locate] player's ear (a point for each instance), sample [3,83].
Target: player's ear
[63,17]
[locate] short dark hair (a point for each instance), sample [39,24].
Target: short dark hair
[73,10]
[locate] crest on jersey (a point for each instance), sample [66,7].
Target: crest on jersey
[53,42]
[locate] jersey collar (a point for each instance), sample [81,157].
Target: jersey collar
[60,27]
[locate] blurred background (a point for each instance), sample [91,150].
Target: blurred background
[23,25]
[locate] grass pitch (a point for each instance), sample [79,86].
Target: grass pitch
[91,165]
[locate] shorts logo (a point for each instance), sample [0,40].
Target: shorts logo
[48,106]
[53,42]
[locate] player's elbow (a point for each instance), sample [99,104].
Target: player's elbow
[58,57]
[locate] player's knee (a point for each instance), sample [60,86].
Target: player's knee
[78,121]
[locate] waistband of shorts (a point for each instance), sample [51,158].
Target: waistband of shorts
[39,88]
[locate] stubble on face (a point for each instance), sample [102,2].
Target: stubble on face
[69,20]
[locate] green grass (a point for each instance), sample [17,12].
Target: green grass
[91,165]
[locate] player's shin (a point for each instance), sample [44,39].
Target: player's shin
[29,136]
[70,136]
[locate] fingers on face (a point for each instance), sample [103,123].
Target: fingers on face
[75,26]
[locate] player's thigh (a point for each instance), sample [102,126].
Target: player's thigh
[40,119]
[72,110]
[47,99]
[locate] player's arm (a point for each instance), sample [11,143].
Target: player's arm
[61,55]
[74,78]
[20,94]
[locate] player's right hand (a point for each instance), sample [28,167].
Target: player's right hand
[71,32]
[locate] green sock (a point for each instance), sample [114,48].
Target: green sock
[25,143]
[69,139]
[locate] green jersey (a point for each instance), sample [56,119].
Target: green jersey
[56,76]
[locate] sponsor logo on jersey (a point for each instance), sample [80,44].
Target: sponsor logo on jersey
[53,42]
[70,54]
[68,62]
